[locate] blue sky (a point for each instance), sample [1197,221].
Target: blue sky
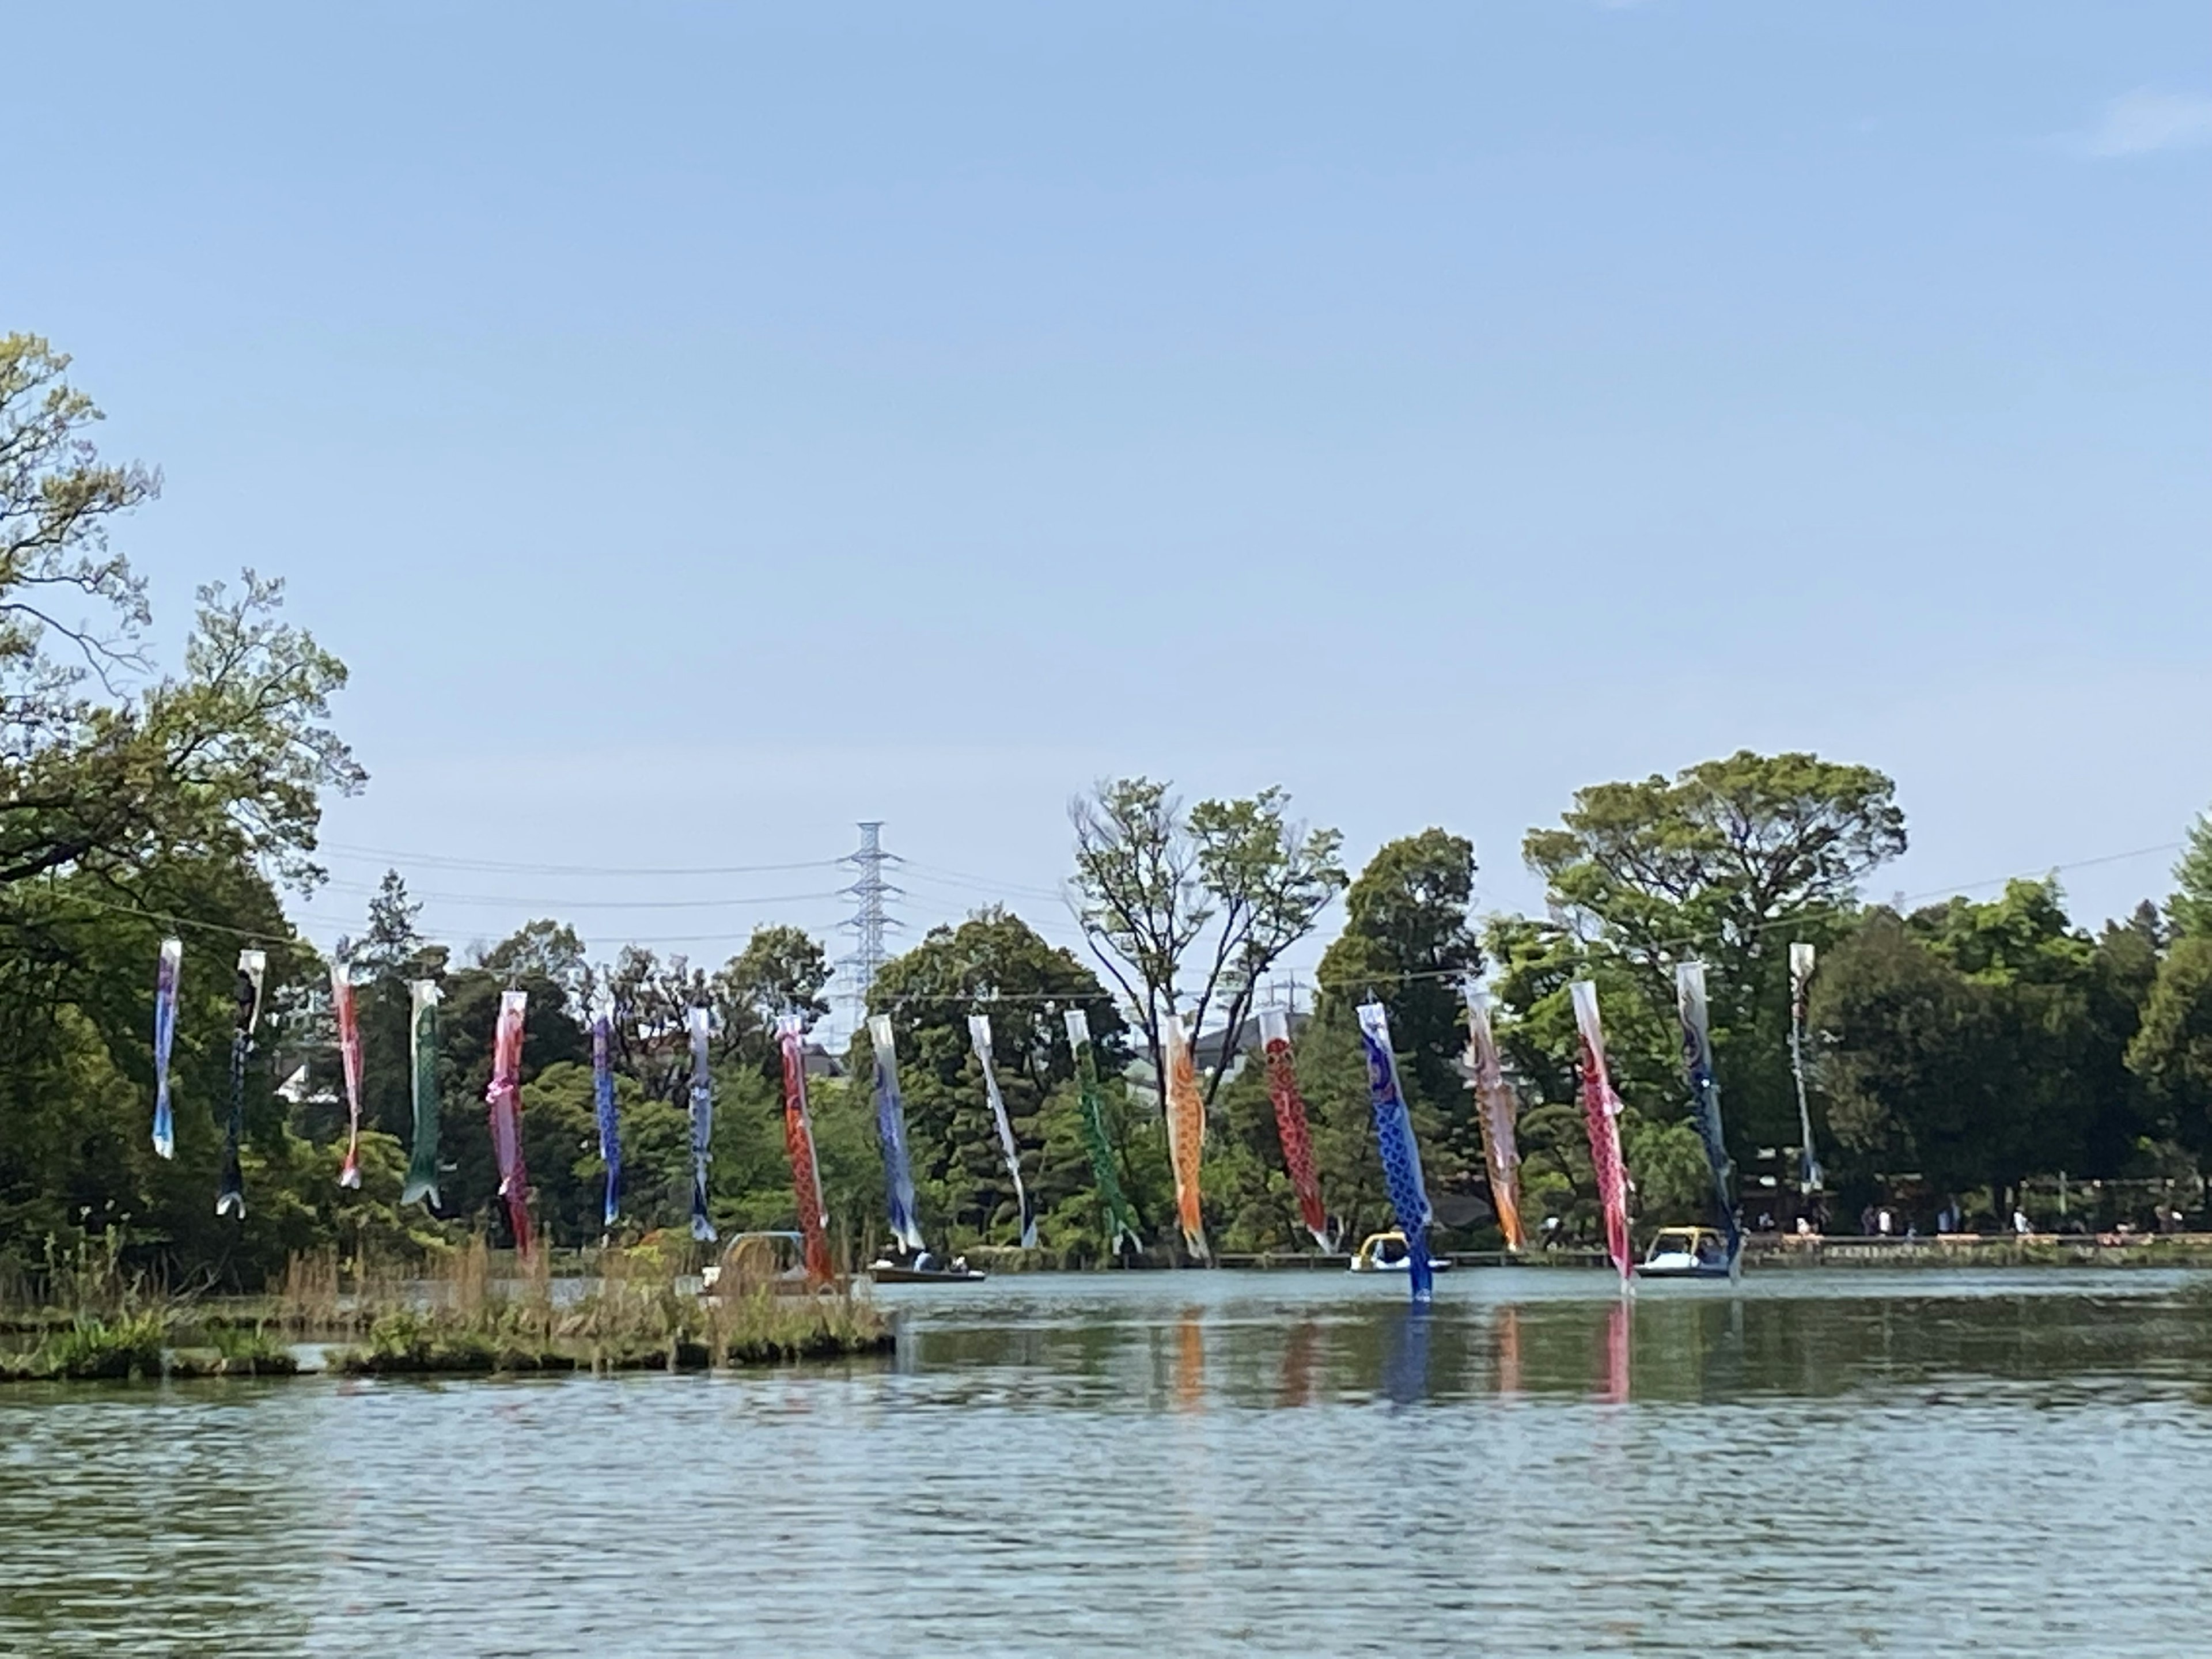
[700,427]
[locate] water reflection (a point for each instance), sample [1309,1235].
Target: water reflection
[1405,1371]
[1618,1331]
[1191,1464]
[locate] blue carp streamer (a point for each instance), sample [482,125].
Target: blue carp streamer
[602,1097]
[1705,1092]
[165,1039]
[1402,1157]
[702,1127]
[890,1129]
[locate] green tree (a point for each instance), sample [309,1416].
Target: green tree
[2172,1052]
[1213,897]
[1728,860]
[2189,909]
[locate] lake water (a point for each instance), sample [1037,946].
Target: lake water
[1188,1463]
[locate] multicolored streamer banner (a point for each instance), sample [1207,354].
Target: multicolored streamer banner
[979,1034]
[422,1080]
[165,1040]
[349,1024]
[603,1099]
[1801,956]
[1401,1154]
[891,1130]
[1602,1116]
[1705,1092]
[1496,1108]
[1121,1223]
[1290,1127]
[504,1099]
[253,969]
[1186,1132]
[799,1141]
[702,1125]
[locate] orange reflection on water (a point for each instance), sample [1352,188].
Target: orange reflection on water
[1190,1363]
[1509,1350]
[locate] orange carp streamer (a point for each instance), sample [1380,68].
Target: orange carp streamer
[799,1141]
[1496,1108]
[1186,1132]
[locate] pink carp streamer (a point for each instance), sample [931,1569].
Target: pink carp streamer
[1496,1108]
[1291,1124]
[348,1023]
[1602,1113]
[504,1098]
[799,1141]
[1186,1132]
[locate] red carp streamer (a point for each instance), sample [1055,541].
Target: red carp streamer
[799,1141]
[1291,1124]
[1601,1114]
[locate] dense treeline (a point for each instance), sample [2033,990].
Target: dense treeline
[1956,1050]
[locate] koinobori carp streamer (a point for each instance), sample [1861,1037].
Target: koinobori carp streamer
[890,1132]
[422,1084]
[252,970]
[603,1101]
[1602,1116]
[1706,1095]
[979,1034]
[799,1143]
[503,1099]
[1496,1108]
[703,1124]
[1401,1154]
[348,1020]
[1291,1125]
[165,1040]
[1186,1132]
[1121,1223]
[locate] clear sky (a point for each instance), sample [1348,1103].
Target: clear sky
[701,426]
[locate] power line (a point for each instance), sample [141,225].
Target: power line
[445,861]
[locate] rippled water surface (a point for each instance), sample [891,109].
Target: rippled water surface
[1189,1464]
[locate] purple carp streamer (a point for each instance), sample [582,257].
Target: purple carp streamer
[1496,1109]
[165,1039]
[348,1024]
[1706,1095]
[504,1099]
[798,1142]
[1601,1117]
[1186,1109]
[603,1101]
[891,1130]
[702,1125]
[979,1034]
[1120,1224]
[422,1084]
[1290,1127]
[1401,1154]
[253,969]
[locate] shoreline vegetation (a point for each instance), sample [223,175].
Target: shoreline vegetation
[452,1315]
[482,1312]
